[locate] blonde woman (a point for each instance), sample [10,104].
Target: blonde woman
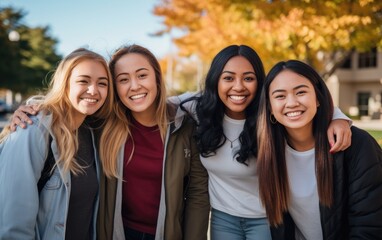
[66,207]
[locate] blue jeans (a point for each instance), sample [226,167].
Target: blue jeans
[131,234]
[228,227]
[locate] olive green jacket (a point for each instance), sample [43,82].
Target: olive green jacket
[184,205]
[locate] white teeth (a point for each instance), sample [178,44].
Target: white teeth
[237,97]
[293,114]
[91,100]
[138,96]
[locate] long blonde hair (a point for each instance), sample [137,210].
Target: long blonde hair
[117,130]
[57,103]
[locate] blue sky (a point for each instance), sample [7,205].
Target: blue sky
[100,25]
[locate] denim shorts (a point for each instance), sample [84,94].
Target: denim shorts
[227,227]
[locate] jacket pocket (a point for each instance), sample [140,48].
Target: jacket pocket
[54,182]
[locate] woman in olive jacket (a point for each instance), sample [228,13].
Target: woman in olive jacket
[178,200]
[184,204]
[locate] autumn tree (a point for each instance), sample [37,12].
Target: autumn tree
[185,74]
[26,60]
[319,32]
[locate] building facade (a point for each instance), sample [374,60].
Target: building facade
[356,87]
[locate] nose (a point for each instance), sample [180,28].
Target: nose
[92,89]
[292,101]
[238,85]
[135,84]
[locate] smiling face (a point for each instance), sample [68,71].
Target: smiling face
[293,101]
[136,86]
[88,88]
[237,86]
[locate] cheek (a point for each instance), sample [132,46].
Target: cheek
[72,95]
[273,107]
[104,93]
[222,90]
[122,91]
[252,88]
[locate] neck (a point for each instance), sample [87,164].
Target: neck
[78,120]
[301,140]
[147,120]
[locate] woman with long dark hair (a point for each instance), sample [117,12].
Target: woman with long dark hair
[308,192]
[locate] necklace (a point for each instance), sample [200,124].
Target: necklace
[231,141]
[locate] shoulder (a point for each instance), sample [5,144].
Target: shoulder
[37,128]
[364,151]
[362,139]
[26,143]
[34,135]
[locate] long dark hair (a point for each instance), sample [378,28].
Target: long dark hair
[271,164]
[210,109]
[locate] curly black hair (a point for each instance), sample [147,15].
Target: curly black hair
[210,109]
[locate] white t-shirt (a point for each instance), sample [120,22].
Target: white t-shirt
[233,186]
[304,201]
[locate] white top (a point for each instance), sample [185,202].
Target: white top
[304,202]
[233,186]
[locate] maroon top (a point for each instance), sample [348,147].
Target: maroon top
[142,179]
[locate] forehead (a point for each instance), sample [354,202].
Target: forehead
[238,63]
[131,62]
[89,67]
[287,79]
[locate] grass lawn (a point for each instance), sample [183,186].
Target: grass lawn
[377,135]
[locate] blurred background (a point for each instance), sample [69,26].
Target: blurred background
[342,39]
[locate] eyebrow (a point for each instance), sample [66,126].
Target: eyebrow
[87,76]
[125,73]
[83,75]
[235,73]
[297,87]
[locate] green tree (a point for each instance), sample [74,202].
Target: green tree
[323,33]
[26,61]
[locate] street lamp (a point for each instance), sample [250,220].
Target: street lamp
[13,36]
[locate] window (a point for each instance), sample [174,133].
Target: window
[368,59]
[347,63]
[363,103]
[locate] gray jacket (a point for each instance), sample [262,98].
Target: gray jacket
[24,213]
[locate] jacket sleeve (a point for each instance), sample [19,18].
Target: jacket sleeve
[338,114]
[22,157]
[197,206]
[364,159]
[107,197]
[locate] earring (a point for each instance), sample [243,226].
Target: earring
[272,119]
